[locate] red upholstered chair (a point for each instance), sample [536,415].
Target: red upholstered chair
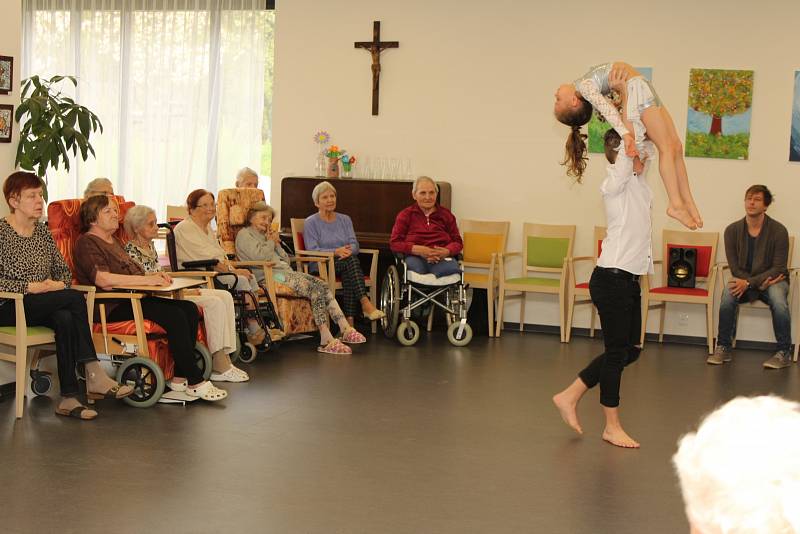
[327,266]
[581,290]
[706,272]
[150,339]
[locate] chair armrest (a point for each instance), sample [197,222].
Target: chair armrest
[253,263]
[115,295]
[14,296]
[576,259]
[85,289]
[502,256]
[193,274]
[317,253]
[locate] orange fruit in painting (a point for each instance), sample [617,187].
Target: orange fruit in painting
[2,123]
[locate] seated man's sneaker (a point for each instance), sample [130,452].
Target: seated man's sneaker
[721,355]
[779,360]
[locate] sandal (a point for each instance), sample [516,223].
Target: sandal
[207,391]
[233,374]
[117,391]
[375,314]
[78,413]
[178,386]
[351,335]
[257,337]
[335,346]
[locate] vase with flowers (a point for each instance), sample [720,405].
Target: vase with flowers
[334,154]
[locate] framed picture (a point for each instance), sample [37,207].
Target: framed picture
[6,121]
[6,74]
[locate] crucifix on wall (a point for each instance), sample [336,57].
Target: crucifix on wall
[375,47]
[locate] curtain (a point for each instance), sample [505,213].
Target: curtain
[177,84]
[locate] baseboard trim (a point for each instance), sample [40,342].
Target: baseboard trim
[668,338]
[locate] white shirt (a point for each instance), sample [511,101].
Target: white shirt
[628,199]
[193,243]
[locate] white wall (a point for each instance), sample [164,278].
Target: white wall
[468,96]
[10,45]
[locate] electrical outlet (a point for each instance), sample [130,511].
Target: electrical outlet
[683,319]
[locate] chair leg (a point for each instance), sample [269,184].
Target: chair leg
[594,317]
[430,318]
[710,327]
[20,367]
[500,302]
[562,317]
[521,311]
[490,296]
[645,312]
[373,297]
[570,311]
[663,310]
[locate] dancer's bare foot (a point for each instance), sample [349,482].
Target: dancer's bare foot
[617,436]
[682,215]
[695,213]
[567,407]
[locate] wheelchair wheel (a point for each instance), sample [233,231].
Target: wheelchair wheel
[248,353]
[452,332]
[390,301]
[41,382]
[202,357]
[147,380]
[408,333]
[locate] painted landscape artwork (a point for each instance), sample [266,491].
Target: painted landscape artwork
[794,139]
[718,123]
[598,128]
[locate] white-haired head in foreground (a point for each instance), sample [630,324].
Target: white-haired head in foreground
[247,177]
[421,179]
[740,472]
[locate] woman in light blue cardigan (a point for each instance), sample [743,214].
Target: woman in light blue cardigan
[257,242]
[328,231]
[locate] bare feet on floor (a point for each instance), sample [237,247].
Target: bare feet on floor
[618,437]
[567,407]
[683,216]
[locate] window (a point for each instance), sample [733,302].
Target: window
[182,87]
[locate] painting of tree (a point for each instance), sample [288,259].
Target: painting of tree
[720,103]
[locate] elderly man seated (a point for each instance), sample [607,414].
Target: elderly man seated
[427,233]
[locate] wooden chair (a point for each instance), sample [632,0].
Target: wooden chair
[546,248]
[581,290]
[706,271]
[326,269]
[484,242]
[725,276]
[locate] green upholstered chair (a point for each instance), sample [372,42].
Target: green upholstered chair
[546,249]
[484,242]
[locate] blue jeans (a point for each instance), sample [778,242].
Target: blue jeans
[775,296]
[420,265]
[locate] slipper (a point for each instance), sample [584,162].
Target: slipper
[375,314]
[77,412]
[335,346]
[276,334]
[207,391]
[257,337]
[178,386]
[116,391]
[351,335]
[233,374]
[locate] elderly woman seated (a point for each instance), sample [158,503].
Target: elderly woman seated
[31,264]
[100,260]
[99,186]
[329,231]
[258,242]
[426,233]
[217,304]
[247,178]
[195,240]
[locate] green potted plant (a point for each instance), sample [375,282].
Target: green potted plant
[53,125]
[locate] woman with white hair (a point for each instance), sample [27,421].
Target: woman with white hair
[740,473]
[99,186]
[217,304]
[247,178]
[329,231]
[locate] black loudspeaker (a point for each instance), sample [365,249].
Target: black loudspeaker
[682,267]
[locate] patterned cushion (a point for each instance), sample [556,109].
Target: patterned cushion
[232,207]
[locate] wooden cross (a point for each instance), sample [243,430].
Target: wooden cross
[375,47]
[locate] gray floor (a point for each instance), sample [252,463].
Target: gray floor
[430,439]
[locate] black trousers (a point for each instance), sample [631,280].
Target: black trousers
[618,298]
[65,312]
[179,318]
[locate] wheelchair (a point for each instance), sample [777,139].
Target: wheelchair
[403,291]
[265,314]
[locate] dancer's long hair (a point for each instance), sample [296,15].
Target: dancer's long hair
[575,154]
